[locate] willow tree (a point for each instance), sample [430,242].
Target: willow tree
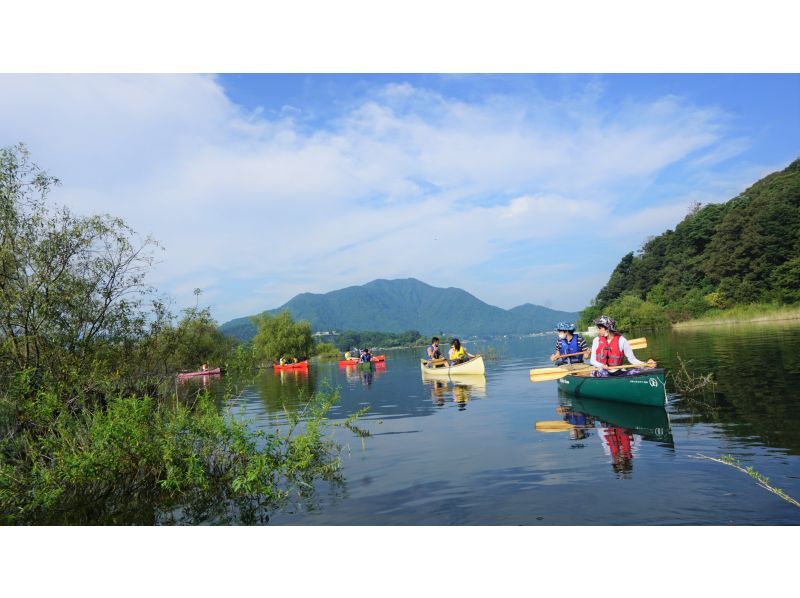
[280,336]
[71,287]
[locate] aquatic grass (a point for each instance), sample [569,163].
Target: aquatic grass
[699,390]
[349,423]
[762,480]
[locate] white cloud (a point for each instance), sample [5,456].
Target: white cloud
[406,183]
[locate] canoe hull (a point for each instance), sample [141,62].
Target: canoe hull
[472,367]
[646,388]
[302,365]
[187,375]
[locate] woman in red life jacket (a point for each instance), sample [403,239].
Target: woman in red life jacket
[610,348]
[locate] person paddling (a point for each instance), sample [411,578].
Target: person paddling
[610,348]
[569,343]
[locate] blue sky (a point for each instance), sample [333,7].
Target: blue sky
[517,188]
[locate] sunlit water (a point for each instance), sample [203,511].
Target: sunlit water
[468,452]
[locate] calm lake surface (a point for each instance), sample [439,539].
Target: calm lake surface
[468,452]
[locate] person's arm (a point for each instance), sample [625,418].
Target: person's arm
[582,346]
[626,348]
[593,357]
[554,356]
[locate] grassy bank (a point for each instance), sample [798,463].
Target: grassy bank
[753,313]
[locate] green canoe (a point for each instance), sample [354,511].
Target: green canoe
[646,388]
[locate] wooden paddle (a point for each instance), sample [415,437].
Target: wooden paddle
[547,374]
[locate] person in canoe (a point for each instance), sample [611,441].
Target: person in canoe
[457,353]
[610,348]
[204,367]
[433,349]
[366,356]
[569,343]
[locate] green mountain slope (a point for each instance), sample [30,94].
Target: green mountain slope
[408,304]
[744,251]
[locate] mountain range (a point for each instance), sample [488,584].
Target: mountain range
[408,304]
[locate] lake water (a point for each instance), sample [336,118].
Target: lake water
[469,453]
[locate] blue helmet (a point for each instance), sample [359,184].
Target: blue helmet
[565,326]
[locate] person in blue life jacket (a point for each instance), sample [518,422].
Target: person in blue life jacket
[366,356]
[610,349]
[568,343]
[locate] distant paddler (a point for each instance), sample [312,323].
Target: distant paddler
[570,346]
[609,350]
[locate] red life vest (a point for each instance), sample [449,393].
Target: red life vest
[609,353]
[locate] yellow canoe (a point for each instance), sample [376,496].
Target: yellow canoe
[471,367]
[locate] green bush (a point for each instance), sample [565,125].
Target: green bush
[326,351]
[143,460]
[631,313]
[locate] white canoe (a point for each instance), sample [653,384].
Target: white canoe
[473,366]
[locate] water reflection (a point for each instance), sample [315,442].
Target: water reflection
[458,389]
[363,373]
[621,428]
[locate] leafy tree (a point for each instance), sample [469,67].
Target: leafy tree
[71,287]
[280,336]
[785,279]
[327,350]
[631,312]
[85,437]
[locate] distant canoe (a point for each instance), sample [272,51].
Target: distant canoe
[187,375]
[471,367]
[356,361]
[301,365]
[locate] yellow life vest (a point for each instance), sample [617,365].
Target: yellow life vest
[460,354]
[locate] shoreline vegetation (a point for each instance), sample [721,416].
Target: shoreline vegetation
[744,314]
[94,427]
[737,261]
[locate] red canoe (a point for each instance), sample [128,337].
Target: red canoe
[302,365]
[355,360]
[185,375]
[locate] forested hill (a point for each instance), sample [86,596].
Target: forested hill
[744,251]
[408,304]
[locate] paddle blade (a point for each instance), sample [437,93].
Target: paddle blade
[545,374]
[638,343]
[553,426]
[542,376]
